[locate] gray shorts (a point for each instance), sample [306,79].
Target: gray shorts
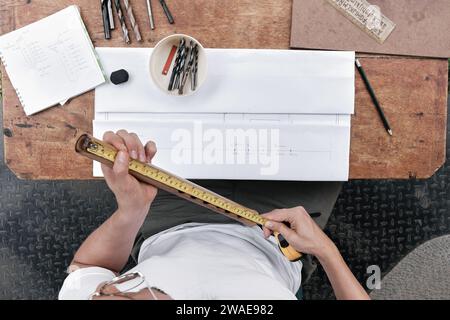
[168,210]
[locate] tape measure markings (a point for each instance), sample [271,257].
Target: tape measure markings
[97,148]
[101,151]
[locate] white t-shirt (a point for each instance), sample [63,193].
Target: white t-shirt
[203,261]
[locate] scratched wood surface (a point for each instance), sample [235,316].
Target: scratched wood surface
[413,91]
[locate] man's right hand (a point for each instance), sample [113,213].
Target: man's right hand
[304,235]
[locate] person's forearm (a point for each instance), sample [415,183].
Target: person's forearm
[110,245]
[344,283]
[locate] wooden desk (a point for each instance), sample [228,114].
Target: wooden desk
[413,91]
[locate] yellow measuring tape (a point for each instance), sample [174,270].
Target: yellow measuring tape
[103,152]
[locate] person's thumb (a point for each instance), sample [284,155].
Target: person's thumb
[121,164]
[279,227]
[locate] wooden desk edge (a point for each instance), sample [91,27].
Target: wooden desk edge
[436,163]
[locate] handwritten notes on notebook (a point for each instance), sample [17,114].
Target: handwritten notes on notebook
[51,60]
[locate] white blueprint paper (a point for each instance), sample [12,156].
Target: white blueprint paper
[238,81]
[306,148]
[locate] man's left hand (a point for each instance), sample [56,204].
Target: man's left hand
[132,196]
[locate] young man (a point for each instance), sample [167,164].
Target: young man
[184,251]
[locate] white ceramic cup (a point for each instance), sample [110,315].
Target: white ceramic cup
[159,57]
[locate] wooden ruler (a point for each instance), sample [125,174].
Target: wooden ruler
[105,153]
[367,17]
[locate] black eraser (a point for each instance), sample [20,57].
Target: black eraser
[119,76]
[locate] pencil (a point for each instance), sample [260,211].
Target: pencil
[373,96]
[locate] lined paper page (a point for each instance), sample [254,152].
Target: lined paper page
[51,60]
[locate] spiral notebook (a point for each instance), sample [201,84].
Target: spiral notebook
[51,60]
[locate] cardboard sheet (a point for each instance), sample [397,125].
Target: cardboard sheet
[422,28]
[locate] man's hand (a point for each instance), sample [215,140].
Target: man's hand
[304,235]
[132,196]
[110,245]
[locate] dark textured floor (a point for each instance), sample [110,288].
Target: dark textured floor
[43,223]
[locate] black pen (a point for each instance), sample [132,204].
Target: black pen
[167,11]
[373,96]
[105,16]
